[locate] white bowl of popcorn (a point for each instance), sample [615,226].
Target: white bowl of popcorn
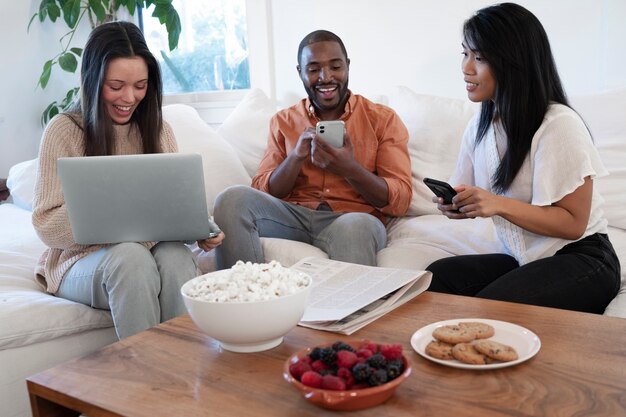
[249,307]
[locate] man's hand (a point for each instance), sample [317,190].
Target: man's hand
[303,147]
[339,161]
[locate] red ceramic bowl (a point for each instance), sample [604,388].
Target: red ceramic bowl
[345,400]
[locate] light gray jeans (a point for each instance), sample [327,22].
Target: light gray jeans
[140,287]
[246,214]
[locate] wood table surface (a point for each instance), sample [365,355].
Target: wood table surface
[175,370]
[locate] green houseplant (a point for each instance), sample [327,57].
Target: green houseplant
[73,12]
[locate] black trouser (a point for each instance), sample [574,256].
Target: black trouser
[582,276]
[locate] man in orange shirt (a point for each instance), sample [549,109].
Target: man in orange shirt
[335,198]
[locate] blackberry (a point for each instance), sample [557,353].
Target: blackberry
[328,355]
[339,345]
[378,377]
[377,361]
[315,353]
[361,372]
[329,371]
[394,369]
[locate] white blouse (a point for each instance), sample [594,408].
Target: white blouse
[562,154]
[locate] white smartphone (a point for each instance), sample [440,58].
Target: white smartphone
[331,131]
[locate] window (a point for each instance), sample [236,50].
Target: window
[212,53]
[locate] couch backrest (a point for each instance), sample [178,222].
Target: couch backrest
[435,124]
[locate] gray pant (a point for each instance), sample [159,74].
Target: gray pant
[246,214]
[140,287]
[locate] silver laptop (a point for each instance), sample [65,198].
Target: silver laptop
[136,198]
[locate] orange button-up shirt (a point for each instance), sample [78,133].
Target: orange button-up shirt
[380,142]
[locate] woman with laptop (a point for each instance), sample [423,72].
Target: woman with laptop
[119,113]
[527,161]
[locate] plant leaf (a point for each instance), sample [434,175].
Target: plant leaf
[68,62]
[31,22]
[77,51]
[131,5]
[49,113]
[53,11]
[71,12]
[98,9]
[69,98]
[173,27]
[45,74]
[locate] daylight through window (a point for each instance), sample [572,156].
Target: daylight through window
[212,53]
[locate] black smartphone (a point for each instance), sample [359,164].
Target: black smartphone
[441,189]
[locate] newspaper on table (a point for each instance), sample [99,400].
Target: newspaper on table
[346,297]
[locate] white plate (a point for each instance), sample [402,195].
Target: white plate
[525,342]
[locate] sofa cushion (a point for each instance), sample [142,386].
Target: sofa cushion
[436,126]
[21,183]
[247,128]
[28,314]
[221,165]
[604,115]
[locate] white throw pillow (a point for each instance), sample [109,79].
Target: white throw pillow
[221,165]
[604,115]
[436,126]
[21,183]
[247,128]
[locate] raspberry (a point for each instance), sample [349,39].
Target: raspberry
[378,377]
[346,375]
[377,361]
[346,359]
[333,382]
[298,368]
[361,372]
[371,346]
[390,352]
[364,353]
[311,379]
[319,366]
[337,346]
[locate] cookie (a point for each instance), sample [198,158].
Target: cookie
[466,353]
[496,350]
[483,330]
[454,334]
[439,350]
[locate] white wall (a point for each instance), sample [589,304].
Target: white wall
[395,42]
[417,43]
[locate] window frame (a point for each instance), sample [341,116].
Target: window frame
[214,106]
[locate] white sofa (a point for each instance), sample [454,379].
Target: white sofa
[38,330]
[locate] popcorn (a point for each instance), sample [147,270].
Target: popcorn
[249,282]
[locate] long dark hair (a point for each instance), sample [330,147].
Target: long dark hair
[516,47]
[107,42]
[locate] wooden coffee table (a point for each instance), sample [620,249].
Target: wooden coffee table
[175,370]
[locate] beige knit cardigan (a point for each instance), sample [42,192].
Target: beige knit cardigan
[63,138]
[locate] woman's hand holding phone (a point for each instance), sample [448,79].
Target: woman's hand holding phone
[445,192]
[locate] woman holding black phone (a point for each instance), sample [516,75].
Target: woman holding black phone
[527,161]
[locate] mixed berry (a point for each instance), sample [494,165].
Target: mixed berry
[342,366]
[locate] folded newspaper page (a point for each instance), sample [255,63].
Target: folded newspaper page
[346,297]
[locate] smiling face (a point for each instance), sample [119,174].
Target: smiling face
[480,82]
[125,85]
[324,72]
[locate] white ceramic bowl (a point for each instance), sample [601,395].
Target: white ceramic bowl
[246,326]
